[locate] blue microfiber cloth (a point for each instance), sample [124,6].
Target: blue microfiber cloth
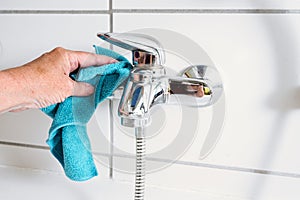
[68,139]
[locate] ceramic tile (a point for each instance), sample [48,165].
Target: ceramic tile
[28,158]
[190,4]
[42,33]
[25,127]
[256,56]
[54,5]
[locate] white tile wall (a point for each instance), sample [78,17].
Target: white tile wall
[54,5]
[256,54]
[206,4]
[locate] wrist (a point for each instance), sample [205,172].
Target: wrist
[13,89]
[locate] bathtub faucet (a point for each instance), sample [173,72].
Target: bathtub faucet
[149,84]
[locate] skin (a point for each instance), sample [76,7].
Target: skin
[45,80]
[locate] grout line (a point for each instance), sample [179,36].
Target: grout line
[111,134]
[210,11]
[110,105]
[159,11]
[54,12]
[240,169]
[111,16]
[24,145]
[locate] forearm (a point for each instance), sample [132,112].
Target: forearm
[13,88]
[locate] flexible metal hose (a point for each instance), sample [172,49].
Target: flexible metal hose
[140,164]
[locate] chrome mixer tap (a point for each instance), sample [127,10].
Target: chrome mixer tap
[149,85]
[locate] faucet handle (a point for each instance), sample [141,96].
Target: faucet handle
[146,50]
[196,86]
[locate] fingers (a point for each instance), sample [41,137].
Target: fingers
[86,59]
[82,89]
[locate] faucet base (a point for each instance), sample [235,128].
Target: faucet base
[135,122]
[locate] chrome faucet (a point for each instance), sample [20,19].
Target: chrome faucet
[149,85]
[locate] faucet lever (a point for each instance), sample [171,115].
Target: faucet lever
[196,86]
[146,50]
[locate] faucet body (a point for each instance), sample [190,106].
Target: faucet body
[144,89]
[149,85]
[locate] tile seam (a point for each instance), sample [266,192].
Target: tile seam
[210,11]
[16,144]
[110,105]
[158,11]
[77,12]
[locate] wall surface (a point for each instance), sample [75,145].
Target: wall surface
[253,44]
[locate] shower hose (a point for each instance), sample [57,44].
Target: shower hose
[140,172]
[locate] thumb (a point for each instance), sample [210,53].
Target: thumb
[82,89]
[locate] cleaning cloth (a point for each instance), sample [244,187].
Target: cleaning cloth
[68,139]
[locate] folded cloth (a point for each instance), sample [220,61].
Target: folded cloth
[68,139]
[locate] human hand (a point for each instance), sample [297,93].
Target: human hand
[46,80]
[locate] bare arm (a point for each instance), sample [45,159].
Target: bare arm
[46,80]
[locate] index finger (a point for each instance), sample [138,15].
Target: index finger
[86,59]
